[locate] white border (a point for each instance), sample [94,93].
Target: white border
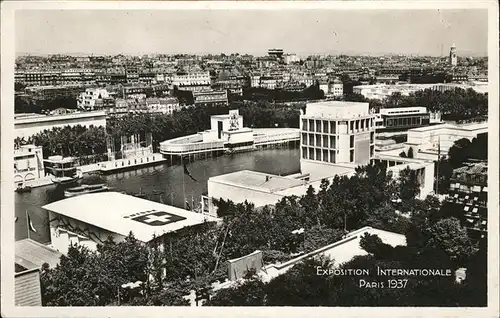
[7,202]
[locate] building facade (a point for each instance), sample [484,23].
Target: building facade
[93,99]
[404,118]
[28,164]
[211,98]
[337,132]
[469,194]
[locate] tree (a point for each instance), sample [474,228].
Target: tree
[408,184]
[449,236]
[301,285]
[248,293]
[87,278]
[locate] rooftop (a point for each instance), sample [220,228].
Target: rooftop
[257,180]
[120,213]
[340,252]
[31,254]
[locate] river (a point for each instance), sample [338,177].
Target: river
[152,180]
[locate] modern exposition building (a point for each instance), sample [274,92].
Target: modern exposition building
[227,134]
[336,137]
[91,218]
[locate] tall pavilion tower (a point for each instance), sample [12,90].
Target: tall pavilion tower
[453,55]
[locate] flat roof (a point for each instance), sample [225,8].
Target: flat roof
[337,103]
[121,213]
[257,180]
[32,254]
[470,126]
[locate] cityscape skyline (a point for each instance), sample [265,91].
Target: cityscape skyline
[90,32]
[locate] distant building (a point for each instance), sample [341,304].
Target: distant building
[291,58]
[166,105]
[336,88]
[192,82]
[276,53]
[453,55]
[211,98]
[469,193]
[404,118]
[94,99]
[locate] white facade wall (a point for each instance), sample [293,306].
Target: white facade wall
[62,235]
[238,194]
[27,127]
[28,164]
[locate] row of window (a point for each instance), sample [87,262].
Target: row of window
[326,155]
[328,141]
[327,126]
[319,140]
[406,121]
[319,154]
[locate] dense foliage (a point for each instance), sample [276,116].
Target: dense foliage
[456,104]
[23,104]
[69,141]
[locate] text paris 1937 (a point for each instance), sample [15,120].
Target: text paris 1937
[389,283]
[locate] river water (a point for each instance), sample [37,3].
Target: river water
[168,180]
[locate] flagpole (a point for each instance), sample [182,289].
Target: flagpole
[28,224]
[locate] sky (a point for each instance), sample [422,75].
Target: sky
[369,32]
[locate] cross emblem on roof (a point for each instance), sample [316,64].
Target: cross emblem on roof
[157,218]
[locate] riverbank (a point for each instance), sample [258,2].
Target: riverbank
[106,167]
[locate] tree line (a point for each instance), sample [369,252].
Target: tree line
[82,141]
[456,104]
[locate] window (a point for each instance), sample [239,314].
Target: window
[311,139]
[311,125]
[318,125]
[351,125]
[304,124]
[333,129]
[351,156]
[351,141]
[362,124]
[304,153]
[325,127]
[372,136]
[304,139]
[325,155]
[318,154]
[325,141]
[332,142]
[372,148]
[357,124]
[332,156]
[318,140]
[311,153]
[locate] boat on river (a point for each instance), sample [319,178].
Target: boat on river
[23,189]
[63,170]
[84,189]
